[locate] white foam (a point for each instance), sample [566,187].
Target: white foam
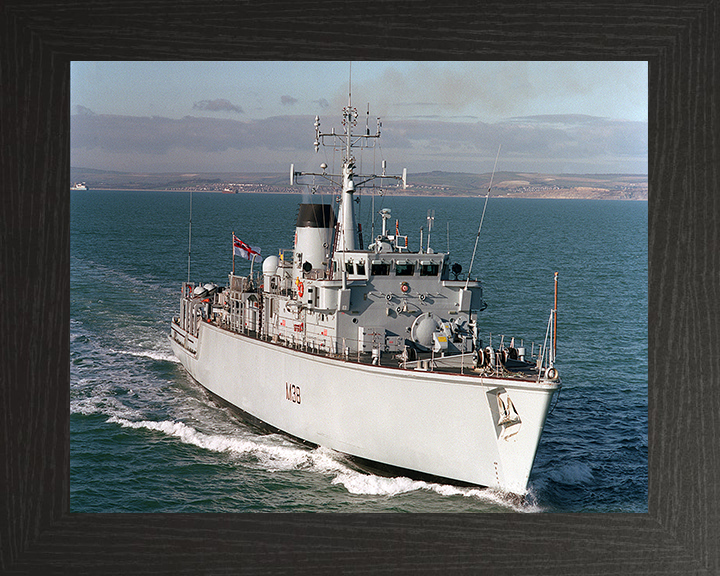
[86,406]
[368,484]
[358,483]
[274,453]
[153,355]
[102,403]
[275,456]
[327,461]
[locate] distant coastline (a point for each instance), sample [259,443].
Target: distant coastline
[436,184]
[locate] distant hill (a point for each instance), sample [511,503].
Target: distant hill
[504,184]
[534,185]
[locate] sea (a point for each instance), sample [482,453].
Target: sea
[145,437]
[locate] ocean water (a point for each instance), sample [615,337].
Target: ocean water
[144,437]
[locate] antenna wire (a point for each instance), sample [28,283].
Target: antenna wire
[472,260]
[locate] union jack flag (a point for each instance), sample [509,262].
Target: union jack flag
[245,250]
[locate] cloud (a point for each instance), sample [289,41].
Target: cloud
[569,143]
[581,136]
[287,100]
[322,103]
[559,137]
[158,135]
[82,111]
[218,105]
[498,90]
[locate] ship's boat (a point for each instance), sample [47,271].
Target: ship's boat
[370,350]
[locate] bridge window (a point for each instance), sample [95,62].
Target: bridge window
[360,268]
[404,269]
[429,268]
[379,268]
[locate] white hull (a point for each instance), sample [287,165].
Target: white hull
[435,423]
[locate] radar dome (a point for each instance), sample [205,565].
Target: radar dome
[270,265]
[422,330]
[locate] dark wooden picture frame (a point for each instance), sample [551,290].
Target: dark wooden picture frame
[681,532]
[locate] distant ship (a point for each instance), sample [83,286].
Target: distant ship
[370,350]
[79,186]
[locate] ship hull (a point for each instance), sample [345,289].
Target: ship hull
[444,425]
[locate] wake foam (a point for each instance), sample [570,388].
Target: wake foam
[367,484]
[90,270]
[278,457]
[274,453]
[158,355]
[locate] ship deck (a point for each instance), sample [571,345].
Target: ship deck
[425,362]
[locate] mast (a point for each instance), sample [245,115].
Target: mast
[347,236]
[348,239]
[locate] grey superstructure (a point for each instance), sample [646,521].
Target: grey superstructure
[371,350]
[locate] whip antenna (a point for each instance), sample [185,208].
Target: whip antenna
[482,218]
[189,235]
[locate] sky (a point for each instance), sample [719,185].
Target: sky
[195,117]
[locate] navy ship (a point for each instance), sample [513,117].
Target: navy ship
[372,350]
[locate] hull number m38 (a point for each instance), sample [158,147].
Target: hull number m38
[292,392]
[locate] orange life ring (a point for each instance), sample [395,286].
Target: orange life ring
[301,289]
[405,287]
